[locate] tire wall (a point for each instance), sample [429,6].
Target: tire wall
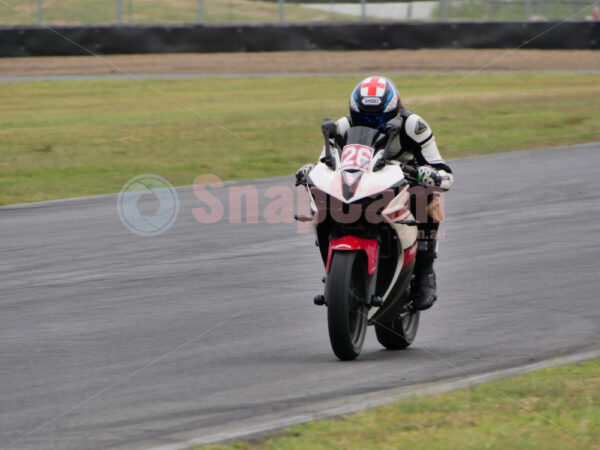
[74,40]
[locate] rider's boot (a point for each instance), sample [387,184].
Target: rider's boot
[424,292]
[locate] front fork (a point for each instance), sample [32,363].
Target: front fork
[371,249]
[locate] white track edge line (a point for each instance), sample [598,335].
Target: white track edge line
[385,397]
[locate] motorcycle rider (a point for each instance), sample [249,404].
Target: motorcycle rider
[373,103]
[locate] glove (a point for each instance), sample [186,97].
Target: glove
[428,176]
[303,173]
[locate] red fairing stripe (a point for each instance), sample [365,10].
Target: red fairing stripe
[396,214]
[409,256]
[346,243]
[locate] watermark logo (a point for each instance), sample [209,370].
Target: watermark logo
[148,205]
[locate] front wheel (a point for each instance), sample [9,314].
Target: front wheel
[345,294]
[400,333]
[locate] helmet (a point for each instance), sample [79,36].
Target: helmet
[374,101]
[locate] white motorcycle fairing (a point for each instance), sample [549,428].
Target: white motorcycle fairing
[370,183]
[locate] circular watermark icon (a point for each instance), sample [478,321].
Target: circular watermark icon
[148,205]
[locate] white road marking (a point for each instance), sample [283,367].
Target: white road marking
[347,405]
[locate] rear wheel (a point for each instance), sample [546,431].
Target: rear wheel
[400,333]
[346,294]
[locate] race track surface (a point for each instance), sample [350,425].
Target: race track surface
[303,63]
[137,342]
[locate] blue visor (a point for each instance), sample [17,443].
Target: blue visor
[370,120]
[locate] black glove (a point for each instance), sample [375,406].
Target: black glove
[302,174]
[428,176]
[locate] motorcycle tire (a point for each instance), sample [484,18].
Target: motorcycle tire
[347,313]
[399,334]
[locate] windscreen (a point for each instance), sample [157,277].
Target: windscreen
[362,135]
[356,155]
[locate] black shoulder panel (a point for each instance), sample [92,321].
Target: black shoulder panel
[405,113]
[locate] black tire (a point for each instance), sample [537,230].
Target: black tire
[399,334]
[347,315]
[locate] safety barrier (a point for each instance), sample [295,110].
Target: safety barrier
[81,40]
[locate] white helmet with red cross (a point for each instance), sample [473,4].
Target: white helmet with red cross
[374,101]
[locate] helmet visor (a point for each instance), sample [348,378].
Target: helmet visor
[375,121]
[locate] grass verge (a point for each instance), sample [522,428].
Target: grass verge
[69,138]
[93,12]
[556,408]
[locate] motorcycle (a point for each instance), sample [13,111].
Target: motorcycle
[367,237]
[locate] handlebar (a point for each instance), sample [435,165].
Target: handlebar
[411,175]
[410,171]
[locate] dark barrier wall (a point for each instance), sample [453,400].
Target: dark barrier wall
[30,41]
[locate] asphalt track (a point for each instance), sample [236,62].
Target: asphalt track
[117,341]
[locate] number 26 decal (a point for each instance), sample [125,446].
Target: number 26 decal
[356,157]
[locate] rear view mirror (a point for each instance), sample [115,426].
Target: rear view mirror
[329,128]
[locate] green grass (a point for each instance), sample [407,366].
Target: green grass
[89,12]
[70,138]
[556,408]
[511,10]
